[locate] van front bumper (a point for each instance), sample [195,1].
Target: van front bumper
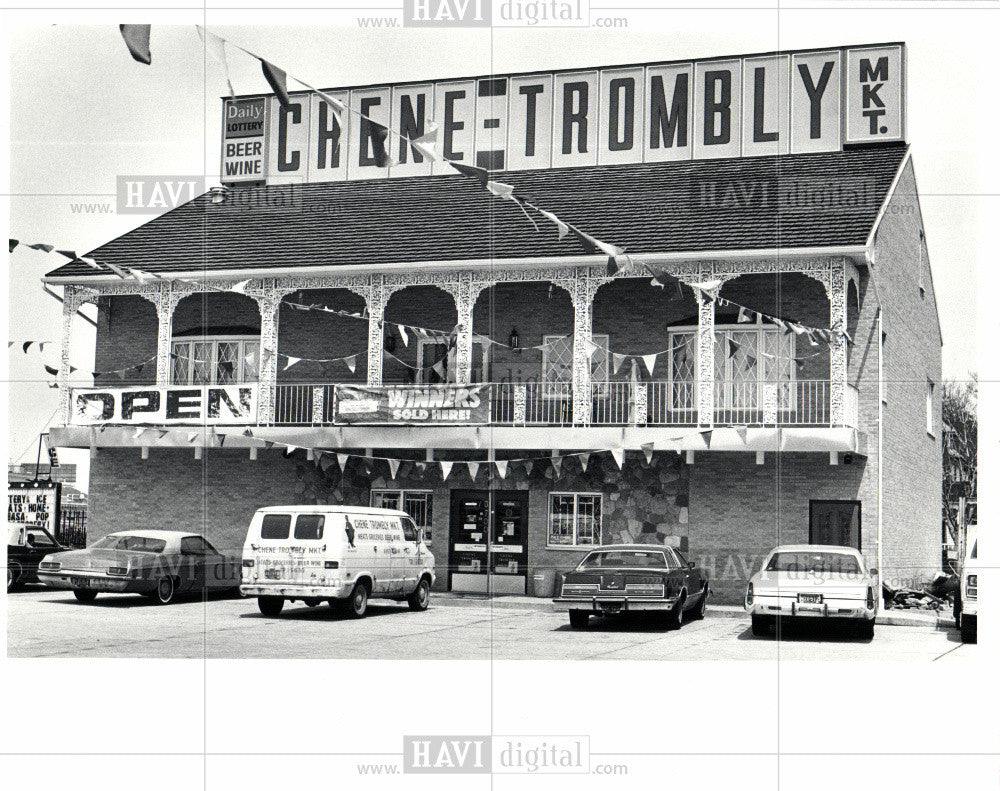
[289,590]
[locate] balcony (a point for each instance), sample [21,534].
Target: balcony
[803,403]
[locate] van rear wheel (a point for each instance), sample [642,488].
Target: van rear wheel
[421,597]
[357,605]
[270,605]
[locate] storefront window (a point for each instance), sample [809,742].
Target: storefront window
[208,361]
[416,503]
[574,519]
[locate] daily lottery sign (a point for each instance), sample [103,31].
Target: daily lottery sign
[752,105]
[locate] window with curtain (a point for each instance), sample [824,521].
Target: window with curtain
[221,360]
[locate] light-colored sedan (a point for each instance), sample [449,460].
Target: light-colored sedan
[811,581]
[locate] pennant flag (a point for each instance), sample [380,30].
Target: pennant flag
[118,271]
[240,288]
[50,370]
[479,174]
[657,283]
[707,436]
[780,323]
[501,468]
[438,368]
[192,436]
[591,348]
[650,361]
[138,432]
[338,107]
[12,243]
[528,467]
[403,335]
[734,347]
[500,190]
[800,363]
[291,362]
[26,346]
[563,227]
[744,316]
[72,370]
[593,245]
[647,450]
[618,454]
[91,262]
[812,338]
[380,149]
[162,434]
[268,444]
[9,344]
[798,329]
[137,40]
[393,467]
[741,432]
[325,462]
[557,464]
[707,285]
[222,439]
[351,362]
[584,461]
[473,469]
[216,47]
[445,469]
[278,81]
[47,248]
[426,144]
[342,460]
[70,254]
[617,359]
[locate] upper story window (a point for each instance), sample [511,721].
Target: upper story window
[220,360]
[557,359]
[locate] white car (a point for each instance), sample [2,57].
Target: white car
[967,599]
[811,581]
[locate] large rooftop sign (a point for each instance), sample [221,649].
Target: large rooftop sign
[793,102]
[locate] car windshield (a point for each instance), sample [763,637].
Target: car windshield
[131,543]
[814,563]
[624,559]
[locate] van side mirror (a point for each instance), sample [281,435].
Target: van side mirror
[690,564]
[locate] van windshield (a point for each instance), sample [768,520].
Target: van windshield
[275,526]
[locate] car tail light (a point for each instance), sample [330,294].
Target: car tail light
[118,571]
[248,563]
[49,565]
[971,586]
[749,593]
[870,602]
[331,564]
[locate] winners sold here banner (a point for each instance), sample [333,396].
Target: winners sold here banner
[414,404]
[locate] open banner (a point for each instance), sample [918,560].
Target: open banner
[451,405]
[175,405]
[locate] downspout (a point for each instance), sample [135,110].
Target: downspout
[870,258]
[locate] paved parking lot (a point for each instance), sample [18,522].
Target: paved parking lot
[44,623]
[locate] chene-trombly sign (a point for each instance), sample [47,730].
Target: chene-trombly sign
[752,105]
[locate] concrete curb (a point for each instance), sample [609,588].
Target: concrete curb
[922,618]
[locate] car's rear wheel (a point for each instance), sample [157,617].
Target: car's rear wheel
[675,618]
[421,597]
[357,605]
[84,594]
[579,619]
[760,625]
[12,576]
[968,630]
[165,591]
[270,605]
[699,611]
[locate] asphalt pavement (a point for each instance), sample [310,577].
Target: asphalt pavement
[47,623]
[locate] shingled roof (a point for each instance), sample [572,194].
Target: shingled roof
[754,203]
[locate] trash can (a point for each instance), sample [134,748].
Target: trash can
[543,583]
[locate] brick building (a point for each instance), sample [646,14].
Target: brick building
[777,382]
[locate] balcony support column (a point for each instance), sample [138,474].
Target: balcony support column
[837,293]
[73,299]
[268,298]
[582,288]
[706,353]
[465,292]
[376,297]
[165,300]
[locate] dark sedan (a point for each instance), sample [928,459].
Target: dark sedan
[26,546]
[160,564]
[635,578]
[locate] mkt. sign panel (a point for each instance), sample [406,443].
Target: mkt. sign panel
[754,105]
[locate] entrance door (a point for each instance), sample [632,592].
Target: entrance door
[488,542]
[468,542]
[835,522]
[509,546]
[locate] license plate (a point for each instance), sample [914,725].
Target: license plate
[94,583]
[272,574]
[610,608]
[810,598]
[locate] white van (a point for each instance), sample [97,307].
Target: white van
[340,554]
